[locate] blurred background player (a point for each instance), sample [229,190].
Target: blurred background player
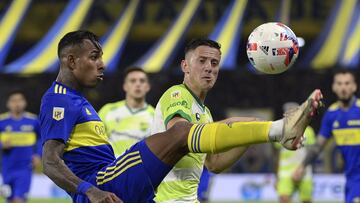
[288,161]
[341,120]
[20,144]
[204,185]
[128,121]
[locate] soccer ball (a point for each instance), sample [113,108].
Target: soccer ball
[272,48]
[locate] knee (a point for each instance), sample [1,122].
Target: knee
[180,132]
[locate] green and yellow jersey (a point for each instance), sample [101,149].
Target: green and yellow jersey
[126,126]
[181,184]
[288,163]
[290,160]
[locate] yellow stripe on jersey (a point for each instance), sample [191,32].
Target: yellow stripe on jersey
[358,103]
[119,173]
[335,106]
[348,136]
[88,134]
[56,89]
[59,89]
[124,163]
[4,115]
[108,169]
[18,139]
[121,166]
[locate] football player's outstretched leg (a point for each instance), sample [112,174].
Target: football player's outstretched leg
[78,157]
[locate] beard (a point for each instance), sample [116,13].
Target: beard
[346,101]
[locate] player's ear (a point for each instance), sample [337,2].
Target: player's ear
[184,66]
[124,86]
[355,87]
[147,87]
[333,87]
[70,60]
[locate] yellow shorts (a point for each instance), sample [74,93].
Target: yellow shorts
[285,186]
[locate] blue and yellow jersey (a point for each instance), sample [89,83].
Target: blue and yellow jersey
[23,136]
[344,126]
[67,116]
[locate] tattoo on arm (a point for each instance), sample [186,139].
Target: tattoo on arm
[55,168]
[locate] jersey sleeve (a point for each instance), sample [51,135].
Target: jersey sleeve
[175,102]
[38,148]
[326,126]
[58,116]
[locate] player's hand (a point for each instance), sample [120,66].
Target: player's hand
[96,195]
[298,173]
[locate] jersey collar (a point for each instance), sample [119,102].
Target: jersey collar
[134,111]
[197,99]
[68,88]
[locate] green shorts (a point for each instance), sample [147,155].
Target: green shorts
[286,187]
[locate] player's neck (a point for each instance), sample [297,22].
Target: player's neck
[135,103]
[345,104]
[68,80]
[16,115]
[198,92]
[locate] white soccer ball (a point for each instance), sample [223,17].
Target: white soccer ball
[272,48]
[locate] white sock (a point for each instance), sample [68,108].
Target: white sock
[276,130]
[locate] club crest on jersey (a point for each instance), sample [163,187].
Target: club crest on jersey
[58,113]
[197,116]
[176,94]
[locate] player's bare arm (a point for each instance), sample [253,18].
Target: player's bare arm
[312,153]
[55,168]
